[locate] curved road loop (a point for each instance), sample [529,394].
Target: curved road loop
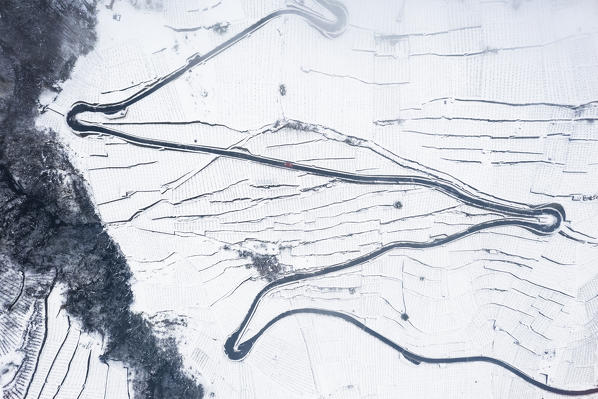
[541,219]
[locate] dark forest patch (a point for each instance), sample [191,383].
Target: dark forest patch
[47,221]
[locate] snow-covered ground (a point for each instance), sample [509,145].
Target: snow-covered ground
[496,95]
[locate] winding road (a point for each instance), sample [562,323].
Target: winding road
[541,219]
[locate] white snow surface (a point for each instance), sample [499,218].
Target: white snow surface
[497,95]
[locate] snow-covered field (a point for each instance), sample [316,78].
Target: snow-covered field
[495,95]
